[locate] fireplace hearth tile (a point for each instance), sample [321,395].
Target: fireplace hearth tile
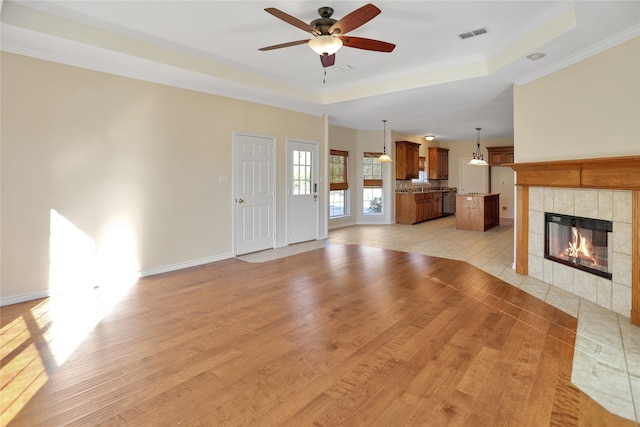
[604,293]
[563,300]
[563,201]
[548,270]
[536,222]
[635,392]
[536,267]
[622,237]
[563,277]
[535,287]
[548,199]
[620,301]
[536,244]
[510,276]
[622,206]
[585,285]
[607,386]
[631,341]
[536,197]
[600,367]
[622,269]
[596,324]
[586,203]
[605,205]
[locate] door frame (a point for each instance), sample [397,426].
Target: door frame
[234,186]
[315,169]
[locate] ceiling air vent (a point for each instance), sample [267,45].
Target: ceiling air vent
[342,68]
[473,33]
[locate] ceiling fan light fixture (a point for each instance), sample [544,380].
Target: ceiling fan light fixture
[325,45]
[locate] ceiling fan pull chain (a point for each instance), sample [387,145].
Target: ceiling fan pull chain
[324,78]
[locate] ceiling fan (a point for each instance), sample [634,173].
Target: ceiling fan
[329,34]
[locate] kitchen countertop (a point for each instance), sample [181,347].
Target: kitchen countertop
[478,194]
[426,190]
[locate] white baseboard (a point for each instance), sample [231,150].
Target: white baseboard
[186,264]
[29,296]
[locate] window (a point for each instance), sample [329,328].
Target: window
[338,183]
[422,174]
[372,186]
[301,173]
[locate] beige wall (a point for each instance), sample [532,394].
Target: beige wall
[587,110]
[346,139]
[133,167]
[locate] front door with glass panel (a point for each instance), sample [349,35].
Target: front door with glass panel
[302,191]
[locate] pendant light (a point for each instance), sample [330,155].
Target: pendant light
[478,157]
[384,157]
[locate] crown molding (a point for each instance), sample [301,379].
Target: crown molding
[601,46]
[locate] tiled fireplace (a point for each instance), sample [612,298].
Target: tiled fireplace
[606,189]
[606,205]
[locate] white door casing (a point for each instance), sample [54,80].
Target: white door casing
[302,191]
[254,192]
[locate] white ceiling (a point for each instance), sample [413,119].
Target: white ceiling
[432,83]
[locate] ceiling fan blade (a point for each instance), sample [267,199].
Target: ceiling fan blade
[367,44]
[292,20]
[279,46]
[355,19]
[328,60]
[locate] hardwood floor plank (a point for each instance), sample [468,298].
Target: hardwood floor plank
[343,335]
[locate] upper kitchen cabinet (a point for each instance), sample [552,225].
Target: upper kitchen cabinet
[438,163]
[500,155]
[407,160]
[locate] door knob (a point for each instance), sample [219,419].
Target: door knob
[240,201]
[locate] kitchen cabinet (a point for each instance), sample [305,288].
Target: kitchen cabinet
[412,208]
[438,163]
[477,212]
[500,155]
[407,160]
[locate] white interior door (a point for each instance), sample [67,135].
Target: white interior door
[303,191]
[473,178]
[255,195]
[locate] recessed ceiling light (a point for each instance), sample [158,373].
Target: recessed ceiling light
[536,56]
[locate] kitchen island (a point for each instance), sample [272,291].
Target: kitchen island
[477,212]
[414,206]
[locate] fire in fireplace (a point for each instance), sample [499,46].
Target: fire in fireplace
[582,243]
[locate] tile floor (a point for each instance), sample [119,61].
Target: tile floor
[606,363]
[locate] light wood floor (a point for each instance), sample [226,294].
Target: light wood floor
[343,335]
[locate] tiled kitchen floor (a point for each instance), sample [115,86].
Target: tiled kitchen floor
[606,363]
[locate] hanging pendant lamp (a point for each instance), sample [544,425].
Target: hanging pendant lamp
[478,157]
[384,157]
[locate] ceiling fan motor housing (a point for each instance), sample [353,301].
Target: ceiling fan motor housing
[323,25]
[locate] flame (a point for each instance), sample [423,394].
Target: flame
[579,247]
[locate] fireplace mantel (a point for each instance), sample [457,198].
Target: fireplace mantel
[614,173]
